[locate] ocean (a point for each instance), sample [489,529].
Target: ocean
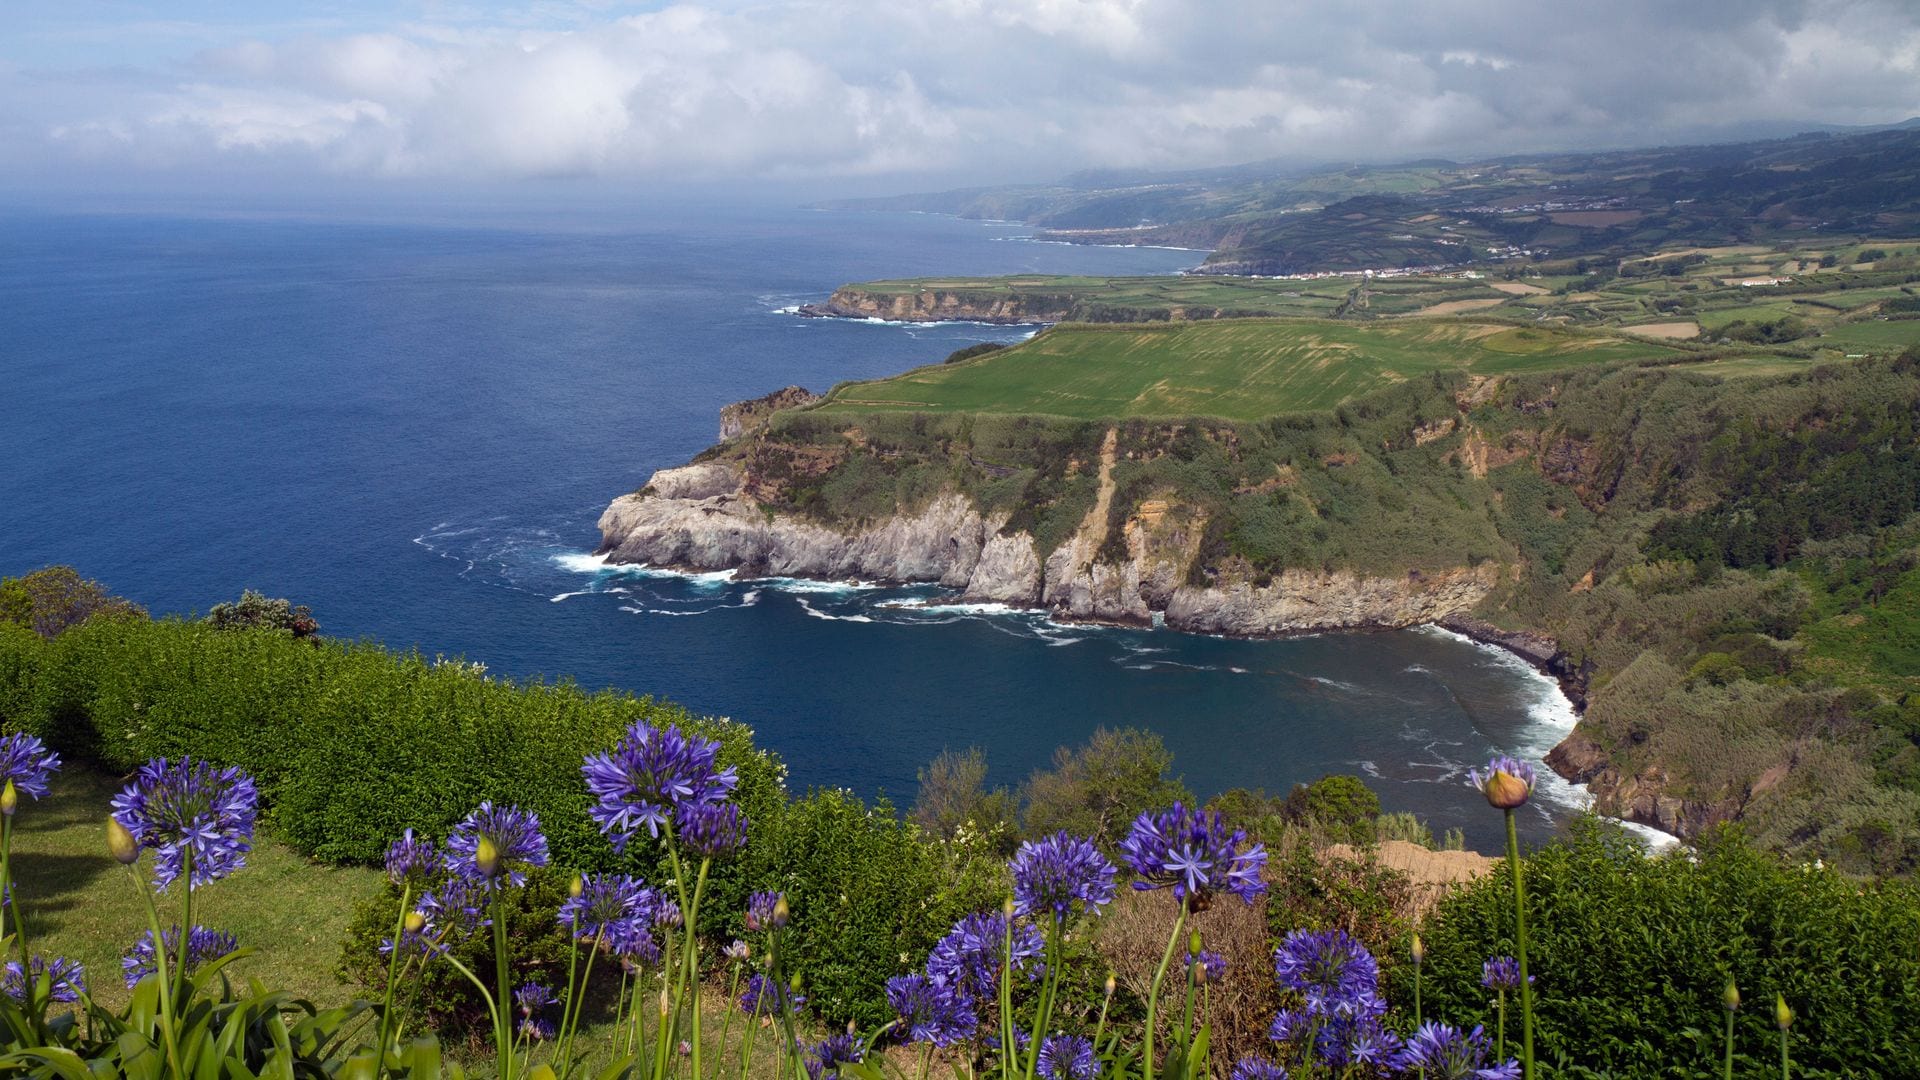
[413,428]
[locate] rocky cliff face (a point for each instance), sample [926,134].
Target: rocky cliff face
[942,305]
[700,518]
[743,416]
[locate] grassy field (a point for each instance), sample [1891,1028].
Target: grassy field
[83,905]
[1239,369]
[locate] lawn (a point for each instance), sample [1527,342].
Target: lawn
[81,904]
[1235,369]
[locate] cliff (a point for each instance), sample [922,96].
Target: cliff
[701,517]
[741,417]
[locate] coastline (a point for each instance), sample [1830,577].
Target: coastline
[1537,652]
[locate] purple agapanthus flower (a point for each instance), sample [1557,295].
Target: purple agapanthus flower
[929,1012]
[26,761]
[533,1000]
[967,960]
[66,979]
[761,911]
[737,952]
[1192,852]
[650,774]
[514,834]
[765,997]
[1053,875]
[192,813]
[455,908]
[412,859]
[825,1057]
[666,915]
[710,830]
[203,947]
[612,909]
[1213,966]
[1290,1024]
[1501,973]
[1350,1039]
[1448,1053]
[1258,1069]
[1067,1057]
[1332,970]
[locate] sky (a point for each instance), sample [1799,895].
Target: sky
[895,95]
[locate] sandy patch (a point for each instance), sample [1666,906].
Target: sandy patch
[1516,288]
[1671,330]
[1455,307]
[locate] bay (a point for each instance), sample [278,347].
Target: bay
[412,428]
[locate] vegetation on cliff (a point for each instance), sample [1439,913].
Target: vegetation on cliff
[1728,562]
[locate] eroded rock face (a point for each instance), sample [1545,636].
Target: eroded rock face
[698,518]
[741,417]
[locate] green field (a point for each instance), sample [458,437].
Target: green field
[1238,369]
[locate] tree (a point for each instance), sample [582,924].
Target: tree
[1098,789]
[258,611]
[954,795]
[1339,803]
[55,598]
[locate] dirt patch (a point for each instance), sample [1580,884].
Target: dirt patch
[1432,872]
[1516,288]
[1670,330]
[1455,307]
[1595,219]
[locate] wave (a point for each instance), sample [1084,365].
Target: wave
[581,563]
[818,614]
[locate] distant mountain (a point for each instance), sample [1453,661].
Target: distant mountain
[1267,218]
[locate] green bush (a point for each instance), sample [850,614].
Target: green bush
[870,896]
[437,990]
[1630,955]
[349,743]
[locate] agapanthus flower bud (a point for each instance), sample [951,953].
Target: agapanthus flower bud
[1112,984]
[1731,997]
[1507,782]
[125,849]
[1419,951]
[738,952]
[782,912]
[9,799]
[1782,1014]
[577,886]
[486,857]
[415,922]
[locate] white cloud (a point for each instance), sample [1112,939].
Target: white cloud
[807,88]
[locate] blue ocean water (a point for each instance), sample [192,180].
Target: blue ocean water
[413,429]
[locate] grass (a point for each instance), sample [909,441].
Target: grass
[290,911]
[1236,369]
[79,903]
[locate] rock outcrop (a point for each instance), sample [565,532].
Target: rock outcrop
[744,416]
[699,518]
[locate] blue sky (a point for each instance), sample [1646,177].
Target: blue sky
[886,94]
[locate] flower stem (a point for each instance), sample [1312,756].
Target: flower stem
[693,960]
[1500,1011]
[186,919]
[1520,945]
[160,975]
[502,1021]
[1783,1054]
[1043,1009]
[1153,992]
[576,998]
[393,974]
[1727,1068]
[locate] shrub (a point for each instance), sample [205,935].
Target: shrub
[1631,954]
[870,895]
[351,743]
[954,797]
[255,611]
[54,599]
[1098,789]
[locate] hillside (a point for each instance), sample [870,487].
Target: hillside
[1720,550]
[1267,220]
[1240,369]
